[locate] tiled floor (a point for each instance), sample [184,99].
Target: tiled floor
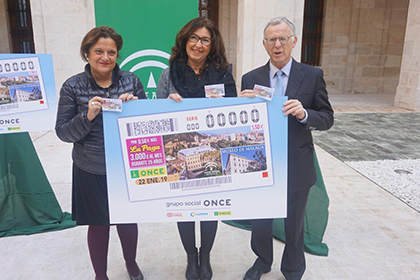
[371,234]
[365,103]
[372,136]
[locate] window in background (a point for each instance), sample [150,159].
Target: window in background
[20,23]
[312,32]
[209,9]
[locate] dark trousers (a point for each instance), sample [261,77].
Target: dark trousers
[187,232]
[293,260]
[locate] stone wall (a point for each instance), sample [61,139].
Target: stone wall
[362,45]
[59,27]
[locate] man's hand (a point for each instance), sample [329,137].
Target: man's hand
[247,93]
[295,108]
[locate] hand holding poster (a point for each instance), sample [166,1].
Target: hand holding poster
[193,160]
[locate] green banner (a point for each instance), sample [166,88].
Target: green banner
[27,202]
[148,29]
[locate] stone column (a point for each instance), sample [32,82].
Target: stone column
[408,90]
[4,30]
[228,26]
[252,18]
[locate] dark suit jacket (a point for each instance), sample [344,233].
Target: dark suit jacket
[306,83]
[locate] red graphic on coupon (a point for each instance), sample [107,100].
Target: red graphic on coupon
[145,151]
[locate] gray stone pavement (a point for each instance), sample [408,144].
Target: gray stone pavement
[371,234]
[372,136]
[379,141]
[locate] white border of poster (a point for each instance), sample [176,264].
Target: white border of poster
[151,179]
[28,99]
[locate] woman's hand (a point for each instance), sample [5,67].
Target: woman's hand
[127,96]
[175,96]
[94,107]
[247,93]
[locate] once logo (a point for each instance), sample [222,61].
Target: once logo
[218,202]
[151,84]
[159,171]
[9,121]
[223,213]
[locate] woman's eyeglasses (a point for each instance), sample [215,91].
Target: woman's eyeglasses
[205,41]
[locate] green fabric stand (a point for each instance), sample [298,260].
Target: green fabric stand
[27,203]
[316,218]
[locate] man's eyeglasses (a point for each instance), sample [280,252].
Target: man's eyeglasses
[205,41]
[283,39]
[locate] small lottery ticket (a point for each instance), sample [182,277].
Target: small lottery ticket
[218,89]
[264,92]
[112,105]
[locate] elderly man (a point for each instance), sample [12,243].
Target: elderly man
[307,109]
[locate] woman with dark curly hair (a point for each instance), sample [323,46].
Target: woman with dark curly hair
[79,121]
[198,59]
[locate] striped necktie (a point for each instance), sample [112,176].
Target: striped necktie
[278,90]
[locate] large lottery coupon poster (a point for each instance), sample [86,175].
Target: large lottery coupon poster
[196,151]
[27,93]
[218,159]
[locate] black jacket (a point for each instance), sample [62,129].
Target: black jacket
[72,124]
[173,80]
[306,83]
